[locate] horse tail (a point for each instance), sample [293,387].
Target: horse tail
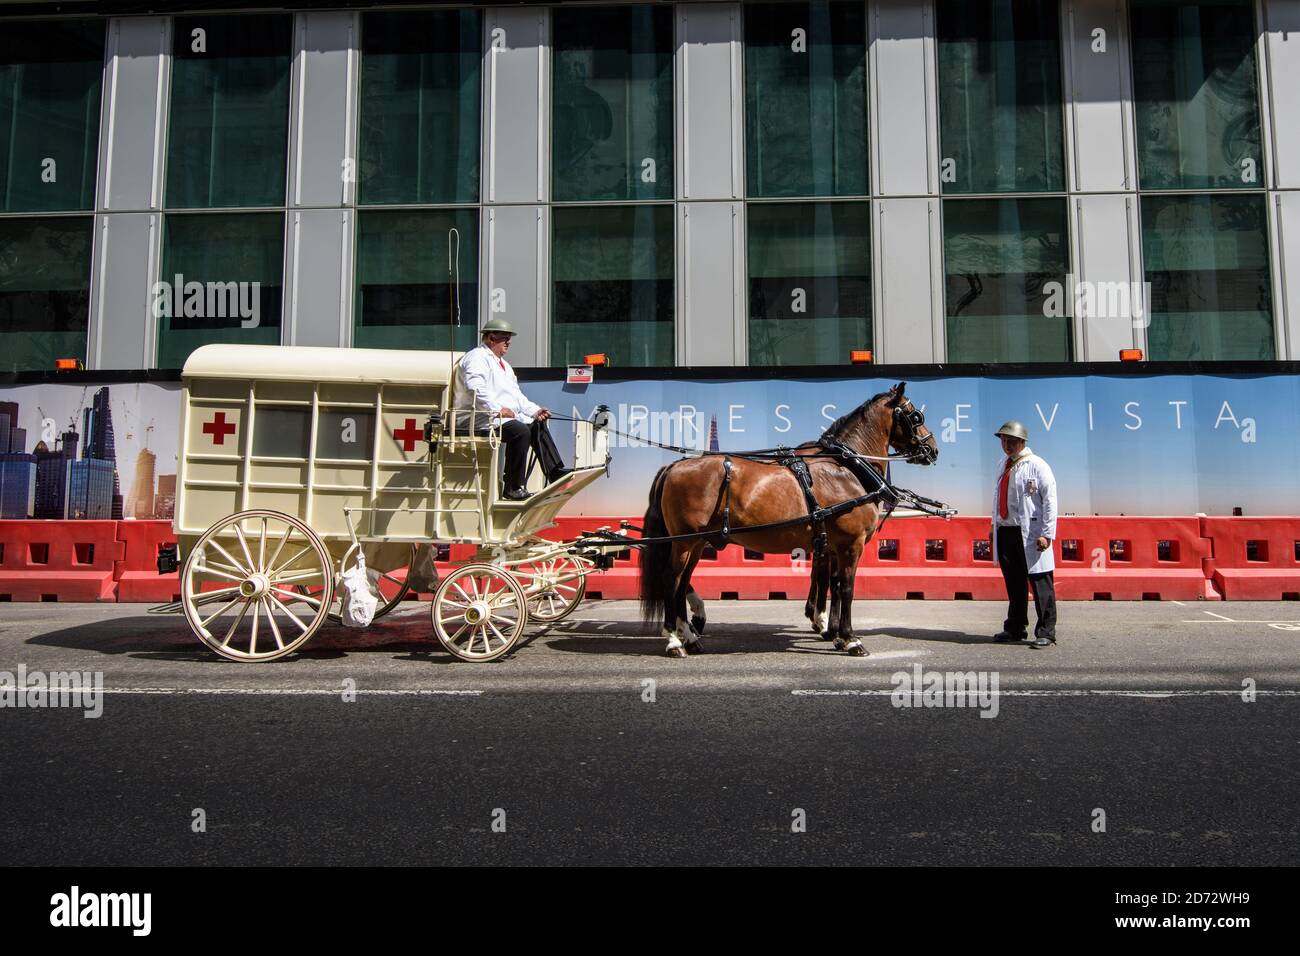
[656,559]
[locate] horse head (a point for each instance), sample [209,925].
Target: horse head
[907,431]
[884,421]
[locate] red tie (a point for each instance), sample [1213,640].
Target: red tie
[503,364]
[1002,489]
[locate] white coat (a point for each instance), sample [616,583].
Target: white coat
[487,384]
[1032,494]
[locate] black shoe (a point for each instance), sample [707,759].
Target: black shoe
[517,494]
[1042,642]
[1004,638]
[557,474]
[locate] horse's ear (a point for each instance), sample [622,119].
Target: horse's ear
[897,392]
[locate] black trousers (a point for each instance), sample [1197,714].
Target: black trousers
[1015,572]
[518,438]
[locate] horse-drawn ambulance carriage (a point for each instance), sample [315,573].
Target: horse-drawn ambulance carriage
[299,464]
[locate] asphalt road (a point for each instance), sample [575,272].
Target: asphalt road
[1137,713]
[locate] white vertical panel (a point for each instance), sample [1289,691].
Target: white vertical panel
[1284,208]
[1098,99]
[513,249]
[324,107]
[1281,71]
[908,266]
[516,98]
[710,141]
[133,121]
[710,283]
[1106,233]
[122,329]
[904,103]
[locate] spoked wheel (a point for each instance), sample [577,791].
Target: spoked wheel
[381,561]
[242,587]
[479,611]
[555,586]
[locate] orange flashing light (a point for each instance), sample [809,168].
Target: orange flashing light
[597,359]
[1130,355]
[860,356]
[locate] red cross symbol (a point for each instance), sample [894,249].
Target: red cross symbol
[219,428]
[408,435]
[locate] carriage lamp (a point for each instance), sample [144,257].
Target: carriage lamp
[596,358]
[67,365]
[1130,355]
[860,356]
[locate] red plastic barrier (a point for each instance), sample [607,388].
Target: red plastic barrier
[1254,559]
[1132,559]
[58,560]
[138,579]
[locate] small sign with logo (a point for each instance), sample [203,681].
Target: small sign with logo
[579,375]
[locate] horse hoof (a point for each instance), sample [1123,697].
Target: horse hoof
[839,643]
[695,647]
[675,652]
[856,649]
[697,623]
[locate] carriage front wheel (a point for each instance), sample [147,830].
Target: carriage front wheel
[243,584]
[555,586]
[479,611]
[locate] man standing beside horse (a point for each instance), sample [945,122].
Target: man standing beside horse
[1024,527]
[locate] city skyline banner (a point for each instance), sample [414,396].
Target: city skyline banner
[1125,444]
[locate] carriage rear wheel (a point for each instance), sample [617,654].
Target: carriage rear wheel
[479,611]
[555,586]
[242,587]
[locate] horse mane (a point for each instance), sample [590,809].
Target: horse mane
[837,428]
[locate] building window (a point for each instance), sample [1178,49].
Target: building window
[220,282]
[1000,125]
[612,284]
[1207,262]
[44,290]
[228,130]
[806,99]
[50,72]
[1196,96]
[1005,265]
[612,103]
[420,115]
[809,282]
[406,298]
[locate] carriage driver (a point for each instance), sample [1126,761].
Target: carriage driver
[1024,526]
[486,383]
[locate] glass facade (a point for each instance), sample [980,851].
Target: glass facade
[1001,257]
[44,290]
[1196,95]
[220,282]
[421,78]
[806,99]
[405,292]
[809,282]
[1207,262]
[612,284]
[612,102]
[228,124]
[50,76]
[1000,110]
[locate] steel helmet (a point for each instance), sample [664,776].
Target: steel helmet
[497,325]
[1013,429]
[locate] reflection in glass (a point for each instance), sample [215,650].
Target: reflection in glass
[405,295]
[806,99]
[1000,126]
[612,284]
[228,131]
[1207,261]
[612,89]
[809,282]
[1001,257]
[420,109]
[44,291]
[1195,95]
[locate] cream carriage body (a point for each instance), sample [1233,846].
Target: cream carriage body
[296,462]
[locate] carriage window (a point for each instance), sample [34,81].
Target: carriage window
[612,284]
[281,432]
[44,290]
[1211,292]
[806,99]
[1005,264]
[420,111]
[809,282]
[1000,115]
[612,92]
[405,298]
[50,74]
[1195,94]
[228,129]
[345,434]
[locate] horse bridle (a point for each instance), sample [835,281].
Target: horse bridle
[914,420]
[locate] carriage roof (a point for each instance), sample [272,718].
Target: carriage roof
[305,363]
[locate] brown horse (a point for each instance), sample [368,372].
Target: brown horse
[690,496]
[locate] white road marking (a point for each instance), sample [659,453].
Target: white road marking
[1056,693]
[885,655]
[1226,621]
[1222,618]
[289,691]
[1179,603]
